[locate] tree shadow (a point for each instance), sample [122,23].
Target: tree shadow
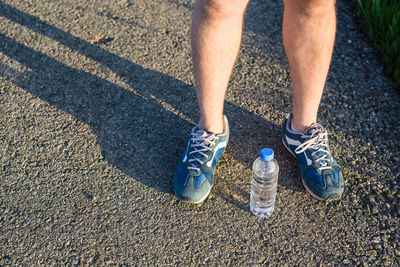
[141,130]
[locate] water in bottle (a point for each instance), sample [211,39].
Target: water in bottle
[264,183]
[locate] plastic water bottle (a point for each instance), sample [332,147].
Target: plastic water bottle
[264,183]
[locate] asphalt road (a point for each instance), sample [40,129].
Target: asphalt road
[97,100]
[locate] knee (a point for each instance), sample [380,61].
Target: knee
[222,8]
[312,8]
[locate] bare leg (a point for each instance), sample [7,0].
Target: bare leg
[216,35]
[309,28]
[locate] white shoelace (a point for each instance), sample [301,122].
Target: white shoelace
[201,143]
[318,142]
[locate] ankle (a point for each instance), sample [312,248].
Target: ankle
[301,125]
[215,125]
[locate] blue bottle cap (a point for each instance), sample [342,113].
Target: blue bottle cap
[267,154]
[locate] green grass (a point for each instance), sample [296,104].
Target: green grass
[382,21]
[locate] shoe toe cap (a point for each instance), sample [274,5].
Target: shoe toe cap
[328,185]
[192,188]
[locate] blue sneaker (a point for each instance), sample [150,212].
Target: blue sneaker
[194,175]
[320,174]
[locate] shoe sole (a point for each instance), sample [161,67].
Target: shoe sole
[330,197]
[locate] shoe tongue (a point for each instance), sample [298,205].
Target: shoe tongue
[310,131]
[314,128]
[201,132]
[313,131]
